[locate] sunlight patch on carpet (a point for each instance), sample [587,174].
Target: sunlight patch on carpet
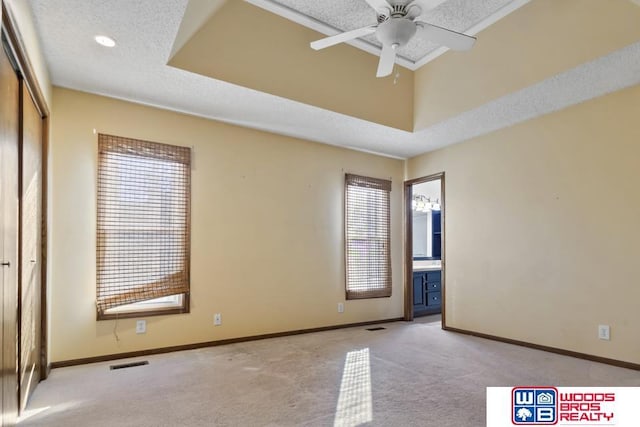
[354,402]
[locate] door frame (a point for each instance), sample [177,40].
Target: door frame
[408,243]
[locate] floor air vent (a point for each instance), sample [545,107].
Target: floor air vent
[128,365]
[378,328]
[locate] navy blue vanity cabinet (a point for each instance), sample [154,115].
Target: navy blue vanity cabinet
[436,237]
[427,292]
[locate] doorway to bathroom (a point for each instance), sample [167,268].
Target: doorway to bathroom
[424,246]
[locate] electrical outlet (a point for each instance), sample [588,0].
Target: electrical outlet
[604,332]
[217,319]
[340,307]
[141,326]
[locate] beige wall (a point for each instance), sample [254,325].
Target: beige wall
[267,236]
[542,228]
[539,40]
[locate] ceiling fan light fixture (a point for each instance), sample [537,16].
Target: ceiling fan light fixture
[396,31]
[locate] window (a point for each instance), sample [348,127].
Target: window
[368,237]
[143,228]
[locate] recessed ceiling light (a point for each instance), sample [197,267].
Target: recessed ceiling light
[105,41]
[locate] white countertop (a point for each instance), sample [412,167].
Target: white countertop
[431,268]
[427,265]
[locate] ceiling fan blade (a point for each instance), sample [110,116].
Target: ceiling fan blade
[451,39]
[387,61]
[381,6]
[343,37]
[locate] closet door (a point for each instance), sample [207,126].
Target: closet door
[9,107]
[30,248]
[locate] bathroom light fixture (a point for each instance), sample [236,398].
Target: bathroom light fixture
[105,41]
[422,203]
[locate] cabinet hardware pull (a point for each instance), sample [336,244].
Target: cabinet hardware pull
[6,264]
[33,261]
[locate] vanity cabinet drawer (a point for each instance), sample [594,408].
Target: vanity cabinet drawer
[433,276]
[434,298]
[433,286]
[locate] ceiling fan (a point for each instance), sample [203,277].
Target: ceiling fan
[397,24]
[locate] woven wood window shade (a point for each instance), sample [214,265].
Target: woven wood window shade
[368,237]
[143,226]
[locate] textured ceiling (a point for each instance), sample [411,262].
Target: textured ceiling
[136,70]
[346,15]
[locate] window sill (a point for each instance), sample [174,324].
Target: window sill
[156,310]
[142,313]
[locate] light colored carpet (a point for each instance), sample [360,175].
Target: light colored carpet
[410,374]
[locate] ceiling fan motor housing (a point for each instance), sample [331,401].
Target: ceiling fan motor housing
[396,32]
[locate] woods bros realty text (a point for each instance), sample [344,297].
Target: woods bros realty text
[585,406]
